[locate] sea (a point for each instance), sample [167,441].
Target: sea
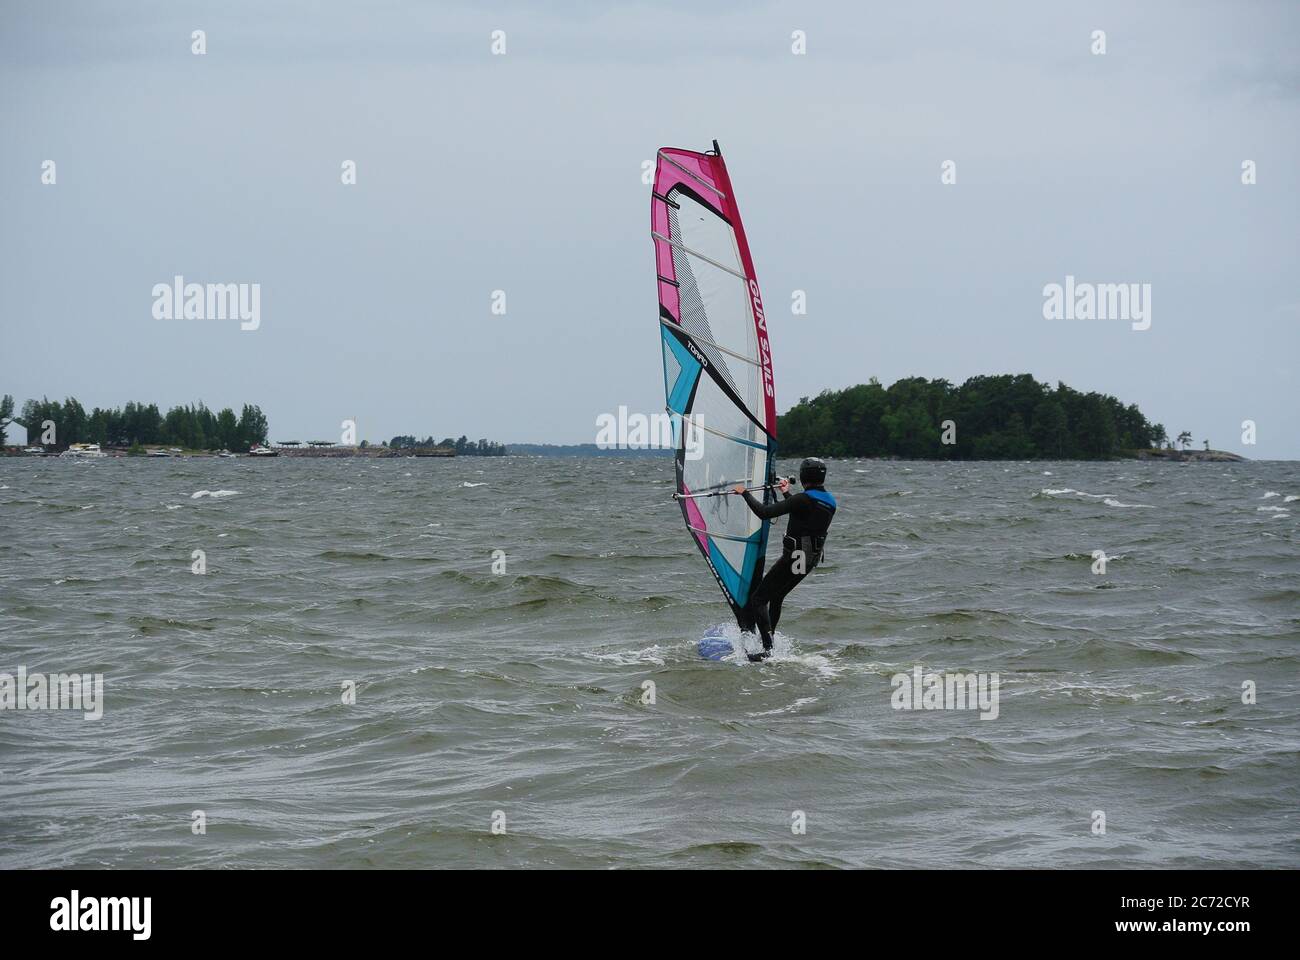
[493,662]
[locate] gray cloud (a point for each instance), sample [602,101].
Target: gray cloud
[522,173]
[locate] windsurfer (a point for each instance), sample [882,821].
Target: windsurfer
[811,512]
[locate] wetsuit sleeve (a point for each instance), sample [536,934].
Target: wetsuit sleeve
[769,510]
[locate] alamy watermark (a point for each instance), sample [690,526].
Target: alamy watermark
[639,431]
[56,691]
[949,691]
[179,300]
[76,913]
[1098,301]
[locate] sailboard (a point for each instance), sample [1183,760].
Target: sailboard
[718,385]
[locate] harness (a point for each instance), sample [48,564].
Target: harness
[813,547]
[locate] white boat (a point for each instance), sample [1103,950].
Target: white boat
[82,451]
[257,450]
[38,451]
[158,453]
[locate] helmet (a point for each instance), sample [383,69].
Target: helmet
[812,472]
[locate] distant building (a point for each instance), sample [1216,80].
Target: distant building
[15,434]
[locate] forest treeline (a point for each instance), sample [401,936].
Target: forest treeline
[464,447]
[1006,417]
[194,427]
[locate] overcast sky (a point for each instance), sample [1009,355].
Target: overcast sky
[523,173]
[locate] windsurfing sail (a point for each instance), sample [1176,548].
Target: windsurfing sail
[718,382]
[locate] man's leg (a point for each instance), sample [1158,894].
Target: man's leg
[797,571]
[774,602]
[773,585]
[757,610]
[780,591]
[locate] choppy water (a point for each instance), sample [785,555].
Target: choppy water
[522,692]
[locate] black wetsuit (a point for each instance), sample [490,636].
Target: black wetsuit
[811,513]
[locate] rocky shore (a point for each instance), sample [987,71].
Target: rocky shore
[1206,456]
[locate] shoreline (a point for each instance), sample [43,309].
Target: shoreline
[390,453]
[1186,456]
[373,453]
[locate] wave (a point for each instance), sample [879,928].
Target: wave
[1071,492]
[794,707]
[214,494]
[653,654]
[357,555]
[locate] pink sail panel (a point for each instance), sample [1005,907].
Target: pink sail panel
[705,175]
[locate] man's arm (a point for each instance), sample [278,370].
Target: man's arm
[769,510]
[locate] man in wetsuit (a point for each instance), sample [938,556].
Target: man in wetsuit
[811,513]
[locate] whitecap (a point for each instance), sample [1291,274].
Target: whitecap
[627,658]
[783,652]
[790,708]
[1071,492]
